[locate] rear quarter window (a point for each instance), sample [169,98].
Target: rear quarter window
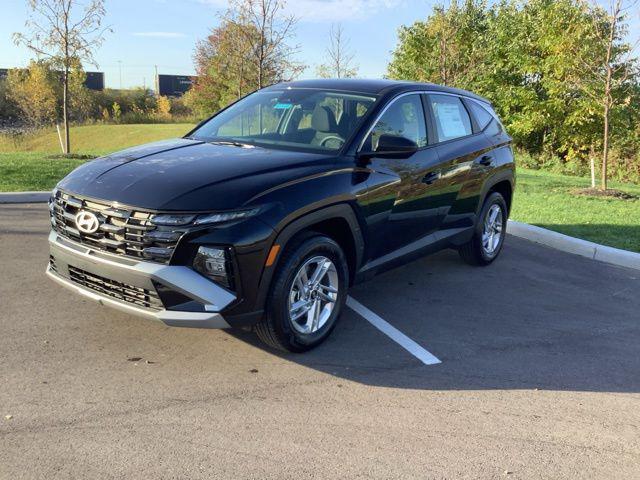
[482,116]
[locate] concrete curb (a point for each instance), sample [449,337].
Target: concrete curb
[24,197]
[576,246]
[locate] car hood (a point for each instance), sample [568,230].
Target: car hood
[190,175]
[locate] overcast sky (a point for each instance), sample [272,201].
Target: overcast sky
[164,32]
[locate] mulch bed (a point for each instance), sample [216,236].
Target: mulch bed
[608,193]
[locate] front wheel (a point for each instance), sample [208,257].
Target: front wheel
[488,236]
[307,294]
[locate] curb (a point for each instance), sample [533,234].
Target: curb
[25,197]
[576,246]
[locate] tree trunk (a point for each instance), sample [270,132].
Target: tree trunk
[592,164]
[605,147]
[65,110]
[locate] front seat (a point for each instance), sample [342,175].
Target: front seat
[324,123]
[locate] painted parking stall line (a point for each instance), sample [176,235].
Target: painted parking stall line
[393,333]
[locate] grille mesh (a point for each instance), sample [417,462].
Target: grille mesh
[122,231]
[118,290]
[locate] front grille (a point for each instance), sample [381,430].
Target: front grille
[122,231]
[118,290]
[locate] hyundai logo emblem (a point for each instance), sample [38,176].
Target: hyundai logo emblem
[87,222]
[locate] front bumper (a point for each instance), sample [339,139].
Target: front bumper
[127,284]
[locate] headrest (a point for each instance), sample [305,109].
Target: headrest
[323,120]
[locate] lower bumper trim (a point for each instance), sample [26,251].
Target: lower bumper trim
[169,317]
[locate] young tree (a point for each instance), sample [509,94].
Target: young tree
[64,33]
[613,71]
[339,58]
[266,30]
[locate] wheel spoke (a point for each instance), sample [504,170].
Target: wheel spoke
[320,272]
[313,316]
[325,297]
[328,288]
[301,284]
[298,309]
[493,215]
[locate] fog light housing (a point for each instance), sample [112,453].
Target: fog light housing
[214,263]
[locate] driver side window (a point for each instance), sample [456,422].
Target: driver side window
[403,118]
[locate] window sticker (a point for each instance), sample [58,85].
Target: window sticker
[450,120]
[282,106]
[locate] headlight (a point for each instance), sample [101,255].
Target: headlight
[207,218]
[172,220]
[214,263]
[224,217]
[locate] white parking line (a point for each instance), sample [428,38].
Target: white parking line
[393,333]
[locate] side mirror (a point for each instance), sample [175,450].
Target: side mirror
[392,146]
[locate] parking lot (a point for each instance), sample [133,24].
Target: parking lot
[539,378]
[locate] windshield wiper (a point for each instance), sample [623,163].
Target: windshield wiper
[233,143]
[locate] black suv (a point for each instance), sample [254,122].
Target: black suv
[264,214]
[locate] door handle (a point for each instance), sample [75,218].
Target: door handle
[485,160]
[430,177]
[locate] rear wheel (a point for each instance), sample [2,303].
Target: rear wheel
[307,294]
[488,236]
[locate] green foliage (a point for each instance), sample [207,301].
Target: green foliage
[33,92]
[538,63]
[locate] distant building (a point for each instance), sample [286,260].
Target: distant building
[93,80]
[174,85]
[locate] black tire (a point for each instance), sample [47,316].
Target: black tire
[276,328]
[473,251]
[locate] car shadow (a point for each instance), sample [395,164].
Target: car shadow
[535,319]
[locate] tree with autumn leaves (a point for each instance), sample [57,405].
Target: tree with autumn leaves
[250,49]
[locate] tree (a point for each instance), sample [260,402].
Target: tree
[266,31]
[247,51]
[607,71]
[32,90]
[542,63]
[339,58]
[224,67]
[67,35]
[447,48]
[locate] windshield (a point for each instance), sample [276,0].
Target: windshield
[299,119]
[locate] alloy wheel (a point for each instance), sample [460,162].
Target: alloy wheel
[313,294]
[492,230]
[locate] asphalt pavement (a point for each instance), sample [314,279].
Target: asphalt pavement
[539,378]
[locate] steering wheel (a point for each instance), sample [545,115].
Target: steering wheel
[331,137]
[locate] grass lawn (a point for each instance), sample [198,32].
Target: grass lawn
[541,198]
[95,139]
[546,200]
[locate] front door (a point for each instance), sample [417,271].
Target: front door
[401,209]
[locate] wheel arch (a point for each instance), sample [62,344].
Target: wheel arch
[502,183]
[338,222]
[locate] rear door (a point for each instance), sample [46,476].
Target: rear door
[463,151]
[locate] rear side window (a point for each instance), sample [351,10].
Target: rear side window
[403,118]
[451,117]
[482,116]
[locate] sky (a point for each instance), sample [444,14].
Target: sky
[164,32]
[147,33]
